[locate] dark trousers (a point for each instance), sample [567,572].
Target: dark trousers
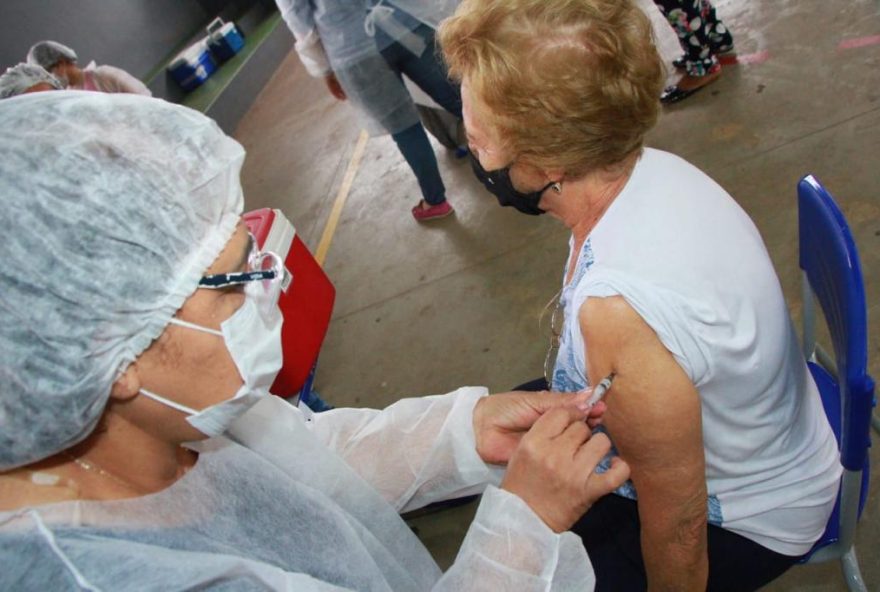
[701,33]
[429,73]
[610,531]
[413,143]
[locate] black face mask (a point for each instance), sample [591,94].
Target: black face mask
[498,183]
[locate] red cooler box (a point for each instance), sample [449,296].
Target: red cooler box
[306,302]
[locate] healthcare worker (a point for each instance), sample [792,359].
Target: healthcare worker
[361,49]
[61,61]
[136,316]
[26,78]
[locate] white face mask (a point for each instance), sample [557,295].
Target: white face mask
[253,338]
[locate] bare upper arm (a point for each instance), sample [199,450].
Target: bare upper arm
[653,413]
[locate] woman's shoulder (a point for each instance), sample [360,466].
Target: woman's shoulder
[666,161]
[669,210]
[667,179]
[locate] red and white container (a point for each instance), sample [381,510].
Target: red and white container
[306,299]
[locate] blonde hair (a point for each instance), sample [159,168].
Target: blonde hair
[570,84]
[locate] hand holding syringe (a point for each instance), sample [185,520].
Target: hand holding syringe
[552,467]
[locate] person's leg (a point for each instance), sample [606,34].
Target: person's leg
[739,564]
[686,19]
[700,62]
[416,149]
[610,531]
[719,36]
[429,73]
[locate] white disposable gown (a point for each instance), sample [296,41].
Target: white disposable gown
[301,502]
[110,79]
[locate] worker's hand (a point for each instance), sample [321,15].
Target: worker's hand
[500,421]
[334,86]
[552,470]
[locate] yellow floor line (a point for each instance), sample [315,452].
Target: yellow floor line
[347,181]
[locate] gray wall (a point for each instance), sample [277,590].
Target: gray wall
[234,103]
[140,36]
[135,35]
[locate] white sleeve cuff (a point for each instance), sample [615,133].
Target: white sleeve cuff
[509,548]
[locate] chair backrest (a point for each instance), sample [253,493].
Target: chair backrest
[832,272]
[830,261]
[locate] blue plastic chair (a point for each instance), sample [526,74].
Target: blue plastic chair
[833,276]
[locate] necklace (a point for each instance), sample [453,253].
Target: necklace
[92,466]
[555,335]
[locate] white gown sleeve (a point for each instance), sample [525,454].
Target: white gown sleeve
[298,16]
[423,449]
[413,452]
[508,547]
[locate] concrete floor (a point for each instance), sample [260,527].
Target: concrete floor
[423,309]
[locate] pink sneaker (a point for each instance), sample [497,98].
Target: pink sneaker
[441,210]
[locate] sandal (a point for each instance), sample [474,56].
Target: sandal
[675,93]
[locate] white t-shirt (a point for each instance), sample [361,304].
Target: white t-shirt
[689,260]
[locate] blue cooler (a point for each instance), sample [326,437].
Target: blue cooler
[224,40]
[192,66]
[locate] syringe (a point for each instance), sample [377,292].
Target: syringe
[600,390]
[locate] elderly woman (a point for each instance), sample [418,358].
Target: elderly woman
[136,317]
[668,285]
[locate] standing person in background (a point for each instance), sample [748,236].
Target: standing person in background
[703,37]
[61,60]
[361,49]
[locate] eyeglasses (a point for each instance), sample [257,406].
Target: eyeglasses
[556,320]
[263,266]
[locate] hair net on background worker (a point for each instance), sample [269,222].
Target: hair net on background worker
[113,207]
[21,77]
[48,53]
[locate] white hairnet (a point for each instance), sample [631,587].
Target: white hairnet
[113,207]
[21,77]
[49,53]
